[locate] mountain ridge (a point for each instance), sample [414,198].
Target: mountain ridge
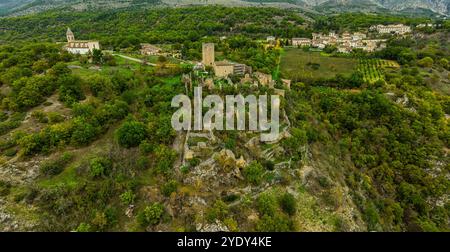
[441,7]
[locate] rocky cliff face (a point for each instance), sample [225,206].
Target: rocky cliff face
[438,6]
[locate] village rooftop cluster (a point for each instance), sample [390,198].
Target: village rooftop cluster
[346,41]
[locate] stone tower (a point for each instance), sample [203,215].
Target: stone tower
[70,36]
[208,54]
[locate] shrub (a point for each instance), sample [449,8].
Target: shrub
[129,96]
[230,143]
[131,134]
[231,224]
[371,216]
[40,116]
[277,223]
[55,167]
[184,169]
[30,92]
[268,164]
[151,215]
[112,111]
[194,162]
[100,221]
[31,144]
[146,147]
[267,204]
[14,122]
[168,188]
[111,214]
[219,211]
[253,173]
[230,197]
[127,197]
[288,203]
[54,117]
[425,62]
[5,188]
[83,227]
[56,134]
[83,132]
[143,163]
[164,159]
[100,167]
[3,116]
[324,182]
[83,110]
[10,152]
[59,69]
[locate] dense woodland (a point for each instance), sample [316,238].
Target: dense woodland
[113,138]
[122,28]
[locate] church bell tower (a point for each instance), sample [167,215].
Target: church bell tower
[70,36]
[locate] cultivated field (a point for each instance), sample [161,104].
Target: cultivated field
[372,69]
[297,64]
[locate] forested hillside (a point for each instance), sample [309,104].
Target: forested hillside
[122,28]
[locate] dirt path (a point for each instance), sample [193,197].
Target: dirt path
[134,59]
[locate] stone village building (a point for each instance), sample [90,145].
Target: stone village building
[301,42]
[148,49]
[344,43]
[222,68]
[399,29]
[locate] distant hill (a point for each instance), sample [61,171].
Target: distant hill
[22,7]
[422,7]
[408,6]
[7,6]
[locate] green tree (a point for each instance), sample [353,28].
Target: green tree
[83,132]
[425,62]
[131,134]
[97,56]
[70,89]
[101,86]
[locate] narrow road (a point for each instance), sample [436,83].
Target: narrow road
[134,59]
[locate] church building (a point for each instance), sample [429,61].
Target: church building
[80,46]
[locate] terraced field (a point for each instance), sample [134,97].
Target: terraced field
[373,69]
